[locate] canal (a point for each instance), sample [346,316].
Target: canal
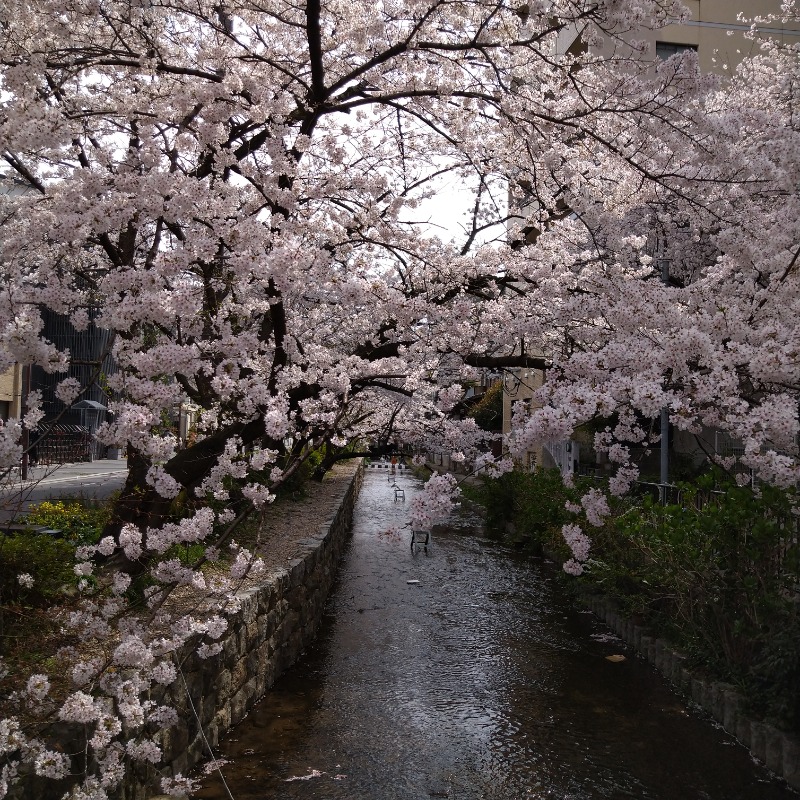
[467,674]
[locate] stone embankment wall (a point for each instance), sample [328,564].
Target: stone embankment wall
[276,622]
[778,750]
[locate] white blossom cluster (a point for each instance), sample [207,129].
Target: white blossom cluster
[435,502]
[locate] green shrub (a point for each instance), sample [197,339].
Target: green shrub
[721,578]
[297,484]
[187,554]
[78,522]
[48,561]
[488,411]
[535,502]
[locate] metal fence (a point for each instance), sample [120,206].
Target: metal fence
[62,444]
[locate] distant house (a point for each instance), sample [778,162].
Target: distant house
[10,392]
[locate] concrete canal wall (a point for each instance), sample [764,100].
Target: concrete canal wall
[276,622]
[778,750]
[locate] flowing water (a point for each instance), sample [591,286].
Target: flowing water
[466,673]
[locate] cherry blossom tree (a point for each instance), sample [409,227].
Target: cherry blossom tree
[690,304]
[243,191]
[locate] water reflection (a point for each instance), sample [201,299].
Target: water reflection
[478,682]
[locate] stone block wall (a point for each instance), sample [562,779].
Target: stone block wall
[276,622]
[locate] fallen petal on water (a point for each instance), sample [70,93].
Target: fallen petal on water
[315,773]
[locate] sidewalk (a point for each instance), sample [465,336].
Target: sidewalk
[78,471]
[93,480]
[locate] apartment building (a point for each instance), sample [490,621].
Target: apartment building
[716,30]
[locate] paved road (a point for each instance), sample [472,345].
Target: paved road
[87,479]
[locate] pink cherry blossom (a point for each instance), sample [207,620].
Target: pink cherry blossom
[241,200]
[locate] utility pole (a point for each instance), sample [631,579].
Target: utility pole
[26,437]
[664,475]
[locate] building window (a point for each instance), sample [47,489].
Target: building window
[666,49]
